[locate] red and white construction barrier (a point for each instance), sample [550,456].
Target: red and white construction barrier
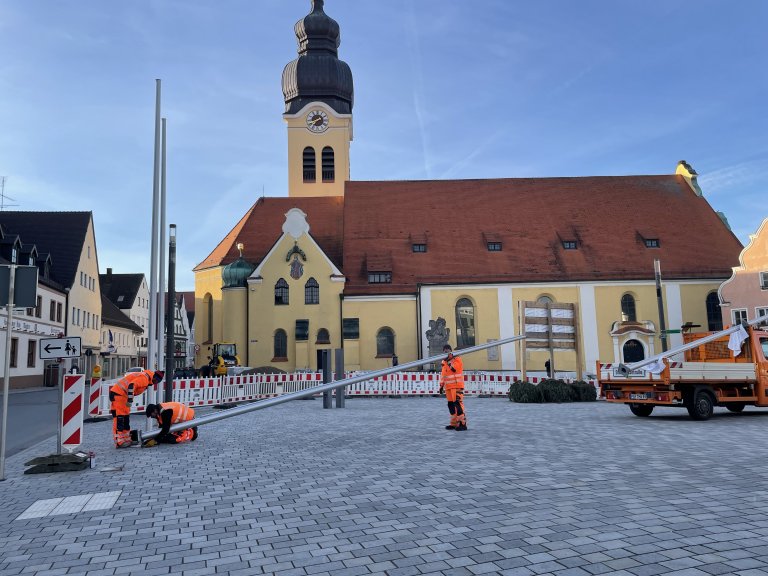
[232,389]
[72,411]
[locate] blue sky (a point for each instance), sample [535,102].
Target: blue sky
[443,89]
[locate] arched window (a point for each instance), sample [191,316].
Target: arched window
[628,313]
[329,169]
[209,313]
[323,337]
[633,351]
[385,343]
[310,170]
[281,293]
[714,314]
[465,323]
[544,299]
[281,344]
[311,292]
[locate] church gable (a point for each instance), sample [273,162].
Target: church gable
[296,254]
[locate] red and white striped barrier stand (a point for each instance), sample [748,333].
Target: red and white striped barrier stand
[72,411]
[94,395]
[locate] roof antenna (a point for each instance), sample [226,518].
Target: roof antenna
[3,197]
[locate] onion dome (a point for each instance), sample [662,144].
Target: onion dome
[317,75]
[235,274]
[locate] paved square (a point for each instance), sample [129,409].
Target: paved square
[381,488]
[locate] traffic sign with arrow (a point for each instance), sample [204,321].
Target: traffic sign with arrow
[60,348]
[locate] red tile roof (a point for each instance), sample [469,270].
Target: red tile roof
[609,217]
[262,225]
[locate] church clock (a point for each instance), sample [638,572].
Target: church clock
[317,121]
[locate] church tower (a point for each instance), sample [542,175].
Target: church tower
[318,93]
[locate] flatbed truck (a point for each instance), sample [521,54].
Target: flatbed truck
[709,375]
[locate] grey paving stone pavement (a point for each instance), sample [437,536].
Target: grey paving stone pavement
[381,488]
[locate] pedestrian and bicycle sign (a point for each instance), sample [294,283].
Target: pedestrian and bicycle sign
[59,348]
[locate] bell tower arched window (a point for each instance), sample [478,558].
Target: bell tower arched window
[329,168]
[628,312]
[308,160]
[465,323]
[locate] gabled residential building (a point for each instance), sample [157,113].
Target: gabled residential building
[119,336]
[189,308]
[130,293]
[30,325]
[744,296]
[180,331]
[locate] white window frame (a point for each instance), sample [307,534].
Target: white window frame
[763,280]
[760,311]
[737,315]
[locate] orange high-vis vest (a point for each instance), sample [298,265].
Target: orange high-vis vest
[181,412]
[133,384]
[449,379]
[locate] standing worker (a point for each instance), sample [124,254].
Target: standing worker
[452,382]
[167,414]
[121,397]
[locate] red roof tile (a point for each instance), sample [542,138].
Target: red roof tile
[607,216]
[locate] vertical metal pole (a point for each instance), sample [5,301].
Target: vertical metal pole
[551,342]
[339,370]
[170,345]
[523,345]
[660,301]
[7,376]
[151,359]
[63,369]
[161,351]
[326,368]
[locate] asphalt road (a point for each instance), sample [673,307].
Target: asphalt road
[31,417]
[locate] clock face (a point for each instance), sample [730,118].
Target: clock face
[317,121]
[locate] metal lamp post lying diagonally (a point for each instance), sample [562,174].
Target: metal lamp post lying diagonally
[626,369]
[321,388]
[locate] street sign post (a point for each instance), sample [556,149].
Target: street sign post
[60,348]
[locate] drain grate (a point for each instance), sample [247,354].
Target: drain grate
[71,505]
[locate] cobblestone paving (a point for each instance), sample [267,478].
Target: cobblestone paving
[381,488]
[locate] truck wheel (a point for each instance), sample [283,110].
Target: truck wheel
[702,406]
[642,410]
[735,406]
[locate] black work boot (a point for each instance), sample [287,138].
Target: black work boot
[450,427]
[461,427]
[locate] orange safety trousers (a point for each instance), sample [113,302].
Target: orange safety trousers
[455,398]
[121,421]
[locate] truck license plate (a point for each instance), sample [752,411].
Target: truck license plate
[639,396]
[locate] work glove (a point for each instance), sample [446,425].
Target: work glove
[149,443]
[441,391]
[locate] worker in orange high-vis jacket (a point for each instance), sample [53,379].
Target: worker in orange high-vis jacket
[121,397]
[452,383]
[168,414]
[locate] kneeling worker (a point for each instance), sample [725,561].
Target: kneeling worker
[167,414]
[121,397]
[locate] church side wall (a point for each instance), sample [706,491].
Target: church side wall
[397,314]
[207,281]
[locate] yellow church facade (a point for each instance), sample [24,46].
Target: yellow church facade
[370,267]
